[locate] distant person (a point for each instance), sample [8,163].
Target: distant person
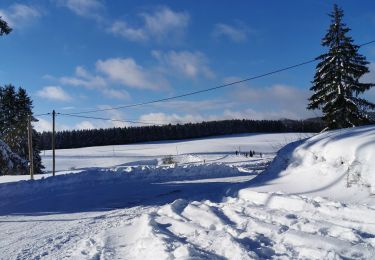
[236,152]
[260,155]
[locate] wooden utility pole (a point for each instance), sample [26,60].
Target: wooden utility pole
[30,142]
[53,142]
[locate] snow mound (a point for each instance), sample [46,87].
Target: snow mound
[336,164]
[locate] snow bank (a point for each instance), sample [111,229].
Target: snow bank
[336,164]
[122,174]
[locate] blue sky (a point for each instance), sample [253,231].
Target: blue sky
[77,55]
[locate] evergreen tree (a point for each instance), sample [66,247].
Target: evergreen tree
[4,27]
[336,84]
[15,108]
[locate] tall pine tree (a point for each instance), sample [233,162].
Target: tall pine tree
[336,84]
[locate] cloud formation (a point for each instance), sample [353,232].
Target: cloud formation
[162,118]
[54,93]
[127,72]
[163,24]
[84,125]
[278,99]
[236,33]
[186,63]
[83,78]
[85,8]
[20,15]
[45,125]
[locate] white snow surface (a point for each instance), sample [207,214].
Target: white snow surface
[314,201]
[339,165]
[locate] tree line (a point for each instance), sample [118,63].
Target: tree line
[129,135]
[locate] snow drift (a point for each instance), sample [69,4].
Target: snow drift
[337,164]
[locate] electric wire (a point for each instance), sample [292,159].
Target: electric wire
[108,119]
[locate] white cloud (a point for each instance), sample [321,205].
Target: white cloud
[116,94]
[54,93]
[115,71]
[129,73]
[85,8]
[121,28]
[278,99]
[189,64]
[20,15]
[83,78]
[84,125]
[45,125]
[162,118]
[42,125]
[161,25]
[237,33]
[87,80]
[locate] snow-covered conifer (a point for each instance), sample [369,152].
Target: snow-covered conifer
[337,86]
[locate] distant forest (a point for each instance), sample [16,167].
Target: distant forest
[129,135]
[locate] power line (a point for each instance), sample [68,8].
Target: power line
[108,119]
[366,43]
[42,114]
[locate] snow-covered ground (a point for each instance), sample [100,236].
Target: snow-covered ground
[314,201]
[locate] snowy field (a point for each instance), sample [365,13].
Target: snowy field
[314,201]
